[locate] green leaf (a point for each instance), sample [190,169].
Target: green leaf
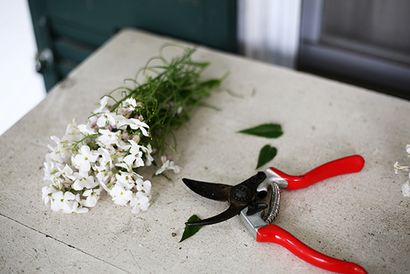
[269,130]
[191,229]
[266,154]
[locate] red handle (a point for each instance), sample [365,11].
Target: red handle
[337,167]
[275,234]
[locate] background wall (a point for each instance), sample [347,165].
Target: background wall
[269,30]
[21,88]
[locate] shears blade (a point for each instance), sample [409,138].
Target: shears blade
[227,214]
[213,191]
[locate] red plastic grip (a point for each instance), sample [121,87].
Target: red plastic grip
[275,234]
[349,164]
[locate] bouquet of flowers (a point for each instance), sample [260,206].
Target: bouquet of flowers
[405,189]
[123,135]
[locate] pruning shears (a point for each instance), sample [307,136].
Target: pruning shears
[257,199]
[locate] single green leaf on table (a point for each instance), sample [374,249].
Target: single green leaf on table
[266,154]
[269,130]
[191,230]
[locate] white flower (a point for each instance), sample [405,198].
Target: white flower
[55,157]
[134,158]
[67,172]
[92,121]
[72,133]
[55,139]
[134,124]
[80,210]
[125,180]
[139,202]
[53,170]
[124,166]
[86,129]
[167,165]
[103,105]
[144,186]
[120,195]
[107,119]
[47,192]
[60,153]
[92,197]
[103,178]
[63,201]
[76,176]
[129,104]
[83,160]
[84,182]
[107,138]
[104,160]
[397,167]
[147,152]
[50,169]
[405,189]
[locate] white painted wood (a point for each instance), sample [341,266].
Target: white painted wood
[361,217]
[25,250]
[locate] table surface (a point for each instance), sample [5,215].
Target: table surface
[361,217]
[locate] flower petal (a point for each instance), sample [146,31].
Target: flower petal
[129,159]
[77,185]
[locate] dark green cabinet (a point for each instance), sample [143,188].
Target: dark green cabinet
[72,29]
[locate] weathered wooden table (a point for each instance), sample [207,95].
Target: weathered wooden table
[362,217]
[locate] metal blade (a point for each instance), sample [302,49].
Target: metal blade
[227,214]
[218,192]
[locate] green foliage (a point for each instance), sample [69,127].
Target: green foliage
[269,130]
[266,154]
[169,94]
[191,230]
